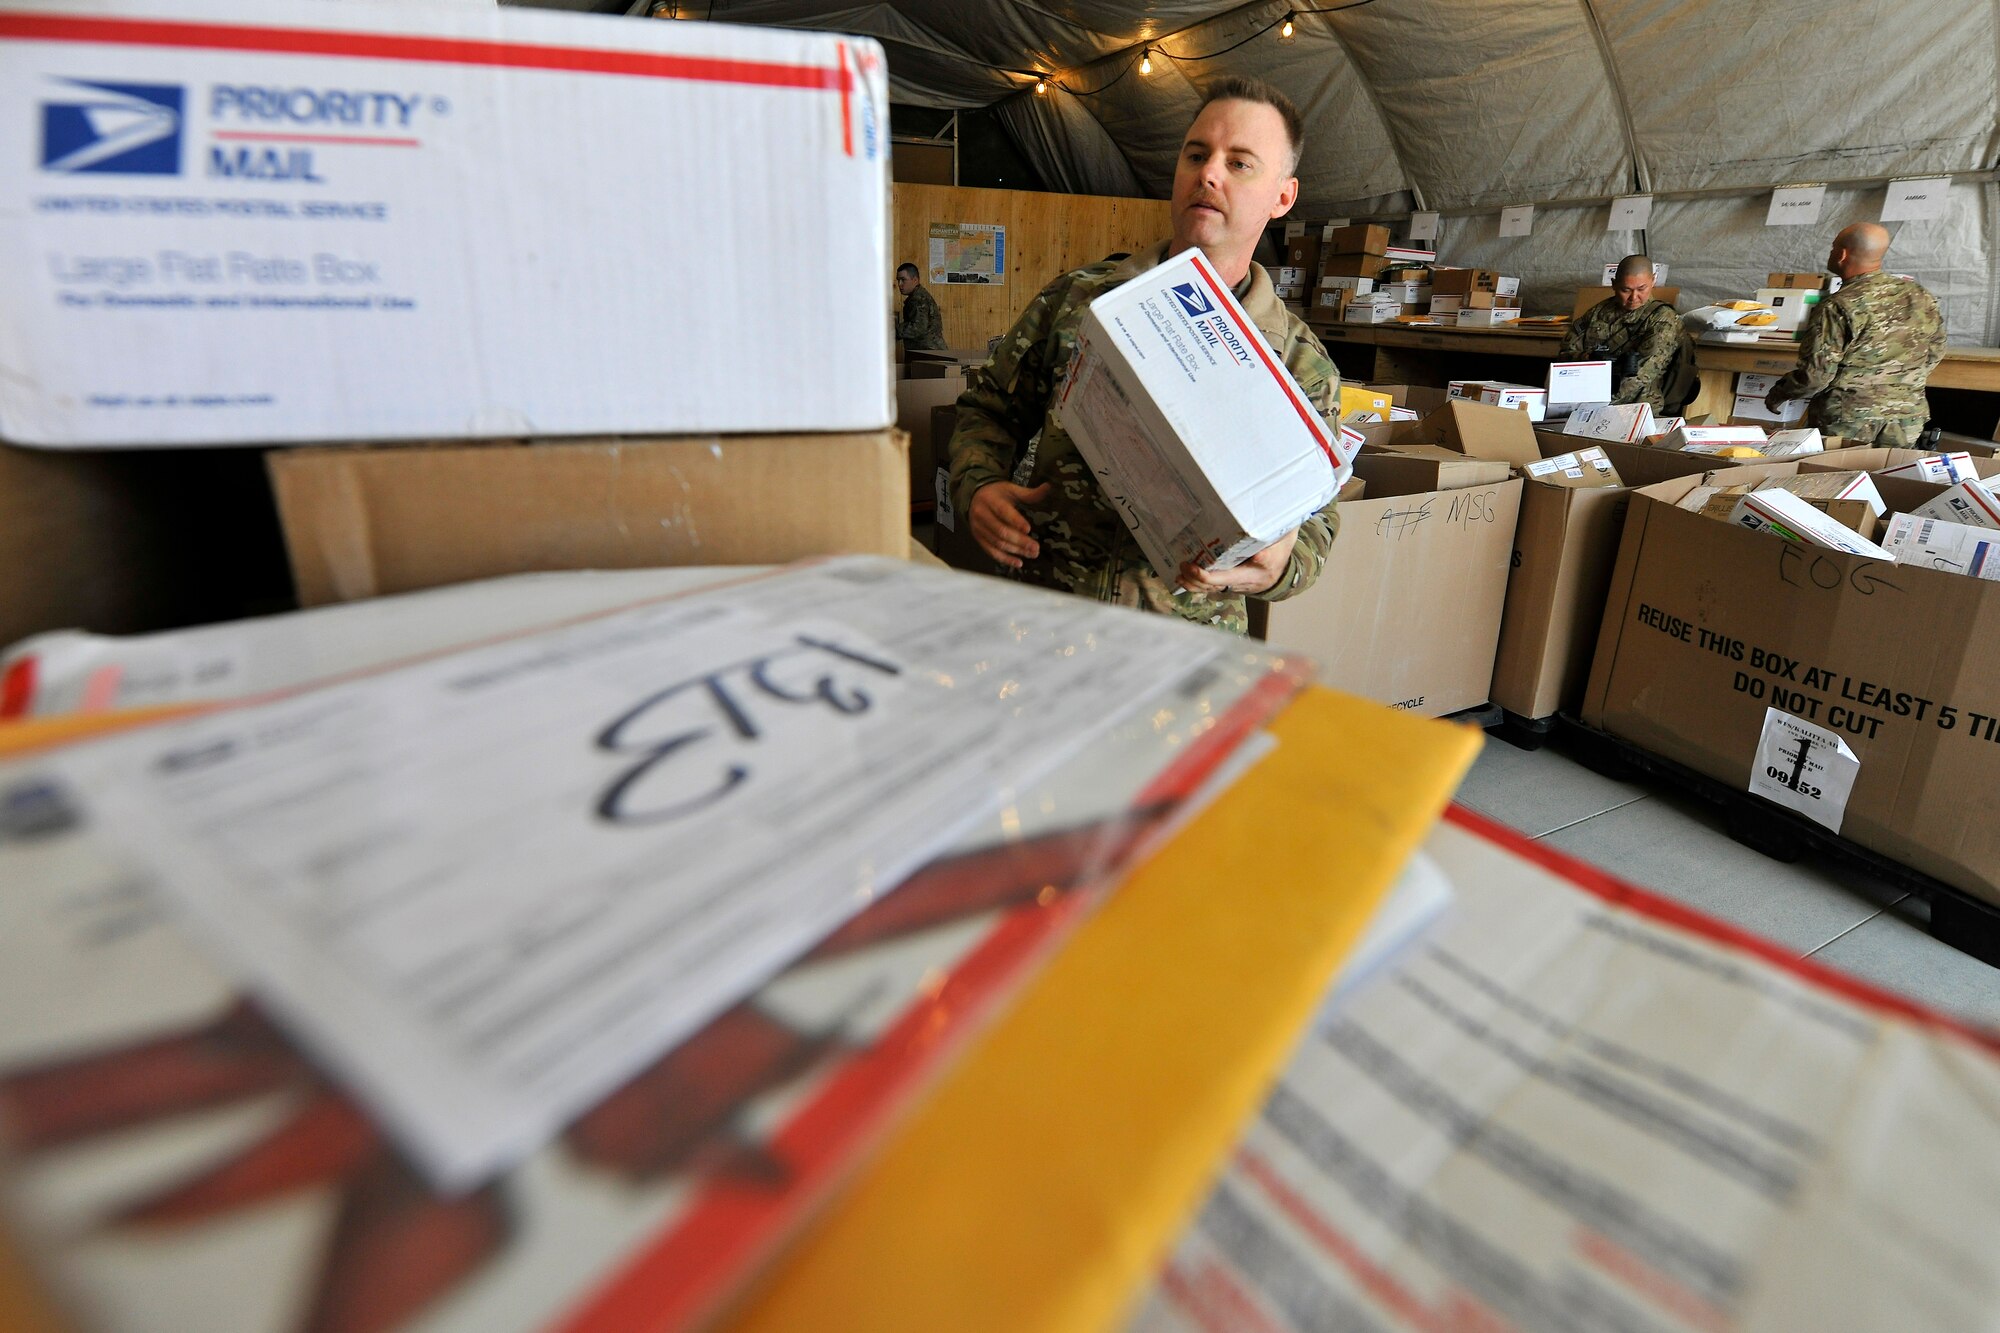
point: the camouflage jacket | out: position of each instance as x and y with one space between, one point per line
1866 352
922 325
1005 433
1648 336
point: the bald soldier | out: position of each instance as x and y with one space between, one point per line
1868 349
1016 476
1641 337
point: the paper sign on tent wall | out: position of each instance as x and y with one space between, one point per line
1517 221
1795 206
1423 226
1916 200
1332 225
1632 212
974 252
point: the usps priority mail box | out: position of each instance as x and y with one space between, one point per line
1199 436
271 221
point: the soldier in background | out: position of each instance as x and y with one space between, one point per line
921 326
1649 351
1868 349
1016 476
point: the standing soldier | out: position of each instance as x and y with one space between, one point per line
1868 349
1016 476
1649 352
922 325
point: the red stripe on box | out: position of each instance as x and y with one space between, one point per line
1256 340
17 688
429 50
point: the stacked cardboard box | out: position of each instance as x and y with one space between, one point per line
636 427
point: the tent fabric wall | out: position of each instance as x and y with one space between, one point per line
1477 104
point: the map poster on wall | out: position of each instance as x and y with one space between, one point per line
968 252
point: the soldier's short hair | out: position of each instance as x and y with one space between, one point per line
1236 88
1633 266
910 269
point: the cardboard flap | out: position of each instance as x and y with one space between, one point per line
1424 469
1479 430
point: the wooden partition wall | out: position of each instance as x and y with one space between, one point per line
1047 234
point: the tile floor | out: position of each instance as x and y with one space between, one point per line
1677 847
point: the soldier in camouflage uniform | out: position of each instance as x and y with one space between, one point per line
922 324
1867 350
1016 475
1641 337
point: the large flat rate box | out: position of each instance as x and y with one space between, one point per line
361 522
225 221
1724 650
1199 437
1407 609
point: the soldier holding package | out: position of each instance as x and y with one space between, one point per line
1016 476
1868 350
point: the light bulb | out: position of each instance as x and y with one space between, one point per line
1040 86
1285 29
1146 62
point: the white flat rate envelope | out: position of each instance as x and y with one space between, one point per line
487 888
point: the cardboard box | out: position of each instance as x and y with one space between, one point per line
1506 286
1689 437
1787 516
1353 266
1793 443
1818 484
1749 409
1855 514
1935 543
1288 275
1408 293
363 521
1412 256
282 227
1370 313
1808 281
1689 665
1516 397
1481 430
1354 286
1577 383
1468 318
1302 249
1424 399
1941 468
1407 609
1790 304
1200 437
917 405
1446 305
1967 502
1646 465
1364 238
1491 301
1749 384
1332 299
1903 464
1564 548
1420 468
1621 421
1586 467
130 541
1461 281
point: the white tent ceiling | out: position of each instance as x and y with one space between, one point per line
1467 105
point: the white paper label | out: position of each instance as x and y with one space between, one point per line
945 518
1423 226
1332 225
1916 200
1518 220
1632 212
1806 768
1795 206
488 887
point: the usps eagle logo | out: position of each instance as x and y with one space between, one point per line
1192 298
131 129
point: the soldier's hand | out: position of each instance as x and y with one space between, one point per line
1260 573
1772 402
998 524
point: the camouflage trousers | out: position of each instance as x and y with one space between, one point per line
1897 434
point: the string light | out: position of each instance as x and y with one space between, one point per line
1041 86
1285 29
1146 61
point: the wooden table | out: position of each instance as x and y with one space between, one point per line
1417 353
